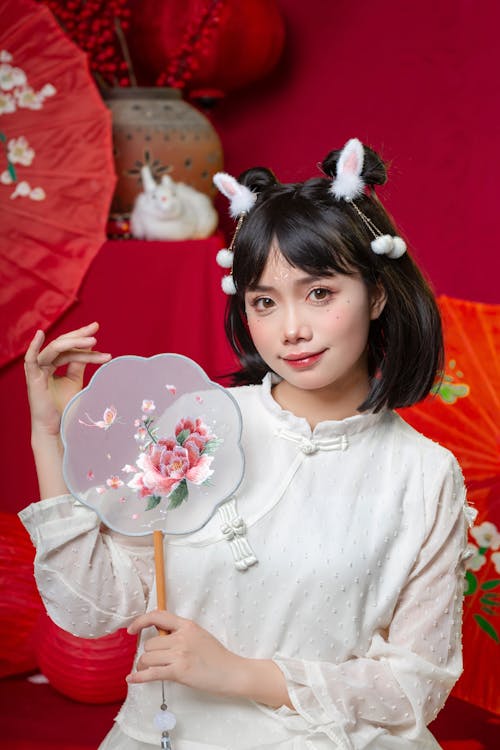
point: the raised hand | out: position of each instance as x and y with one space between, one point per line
50 391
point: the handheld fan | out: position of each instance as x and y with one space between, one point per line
153 446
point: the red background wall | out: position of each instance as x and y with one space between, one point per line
418 82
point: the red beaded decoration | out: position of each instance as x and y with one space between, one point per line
196 39
92 25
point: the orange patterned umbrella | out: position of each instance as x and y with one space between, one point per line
464 415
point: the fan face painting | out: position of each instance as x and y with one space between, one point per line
312 331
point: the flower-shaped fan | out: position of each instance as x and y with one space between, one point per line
153 446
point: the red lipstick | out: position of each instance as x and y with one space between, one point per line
303 359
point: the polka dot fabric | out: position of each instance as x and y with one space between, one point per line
358 533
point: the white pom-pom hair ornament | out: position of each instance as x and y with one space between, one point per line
399 248
224 258
385 244
227 284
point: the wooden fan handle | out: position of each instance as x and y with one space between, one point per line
161 589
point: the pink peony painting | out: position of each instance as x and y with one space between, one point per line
166 466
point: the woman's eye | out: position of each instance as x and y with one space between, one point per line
320 294
262 303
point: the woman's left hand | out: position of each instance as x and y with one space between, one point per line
188 654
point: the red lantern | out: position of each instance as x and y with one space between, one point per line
20 603
85 669
219 45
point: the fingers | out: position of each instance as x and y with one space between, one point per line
158 618
161 663
68 348
152 674
32 352
73 346
35 345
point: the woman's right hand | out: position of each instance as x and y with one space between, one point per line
49 392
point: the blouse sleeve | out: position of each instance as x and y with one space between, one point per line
92 581
402 681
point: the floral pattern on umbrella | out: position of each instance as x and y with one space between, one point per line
463 414
57 172
15 93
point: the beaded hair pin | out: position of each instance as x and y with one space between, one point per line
241 200
347 185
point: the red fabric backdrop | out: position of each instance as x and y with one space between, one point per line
417 81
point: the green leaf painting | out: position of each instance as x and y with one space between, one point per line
153 501
471 583
487 627
178 495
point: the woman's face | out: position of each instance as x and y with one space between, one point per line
311 330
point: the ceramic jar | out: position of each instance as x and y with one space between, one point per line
155 126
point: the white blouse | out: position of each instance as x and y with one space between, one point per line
340 557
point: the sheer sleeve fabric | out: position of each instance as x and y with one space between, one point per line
398 686
92 581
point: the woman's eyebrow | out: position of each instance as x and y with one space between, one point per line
313 278
302 281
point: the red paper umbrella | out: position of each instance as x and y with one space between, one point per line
464 416
56 171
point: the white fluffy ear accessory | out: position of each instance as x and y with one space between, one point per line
348 183
241 199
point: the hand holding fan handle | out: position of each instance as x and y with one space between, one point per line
162 605
160 573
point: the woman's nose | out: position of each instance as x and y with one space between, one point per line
295 327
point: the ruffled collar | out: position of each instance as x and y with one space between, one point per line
347 427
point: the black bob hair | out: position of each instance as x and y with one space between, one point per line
322 235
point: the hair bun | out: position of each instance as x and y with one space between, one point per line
257 179
374 171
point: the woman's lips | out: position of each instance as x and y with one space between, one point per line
305 359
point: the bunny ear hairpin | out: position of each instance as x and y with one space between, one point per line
241 200
349 185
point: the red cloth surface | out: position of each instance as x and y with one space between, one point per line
36 717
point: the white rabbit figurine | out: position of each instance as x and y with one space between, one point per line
171 211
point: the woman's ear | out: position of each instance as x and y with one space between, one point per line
378 300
